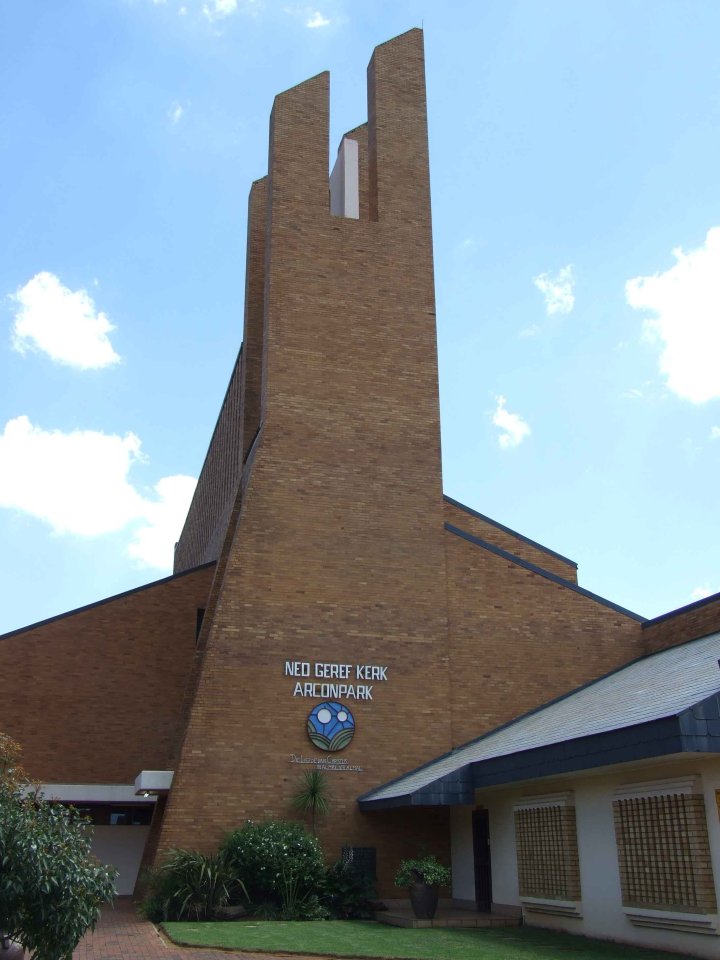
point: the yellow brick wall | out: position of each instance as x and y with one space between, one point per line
97 695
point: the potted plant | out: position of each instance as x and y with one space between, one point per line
423 876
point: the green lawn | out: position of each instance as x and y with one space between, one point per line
358 938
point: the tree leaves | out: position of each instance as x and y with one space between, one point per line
51 887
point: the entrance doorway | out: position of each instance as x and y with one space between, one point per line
481 851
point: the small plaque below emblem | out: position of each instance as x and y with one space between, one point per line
330 726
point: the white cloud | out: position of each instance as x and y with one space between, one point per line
316 20
685 301
152 543
78 484
699 593
62 323
175 113
557 289
715 433
212 10
632 394
513 428
218 9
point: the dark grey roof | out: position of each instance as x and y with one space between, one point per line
663 685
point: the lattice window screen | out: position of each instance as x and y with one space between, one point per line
547 854
364 859
663 852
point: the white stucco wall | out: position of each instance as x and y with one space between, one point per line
602 912
461 854
123 848
599 870
711 784
502 851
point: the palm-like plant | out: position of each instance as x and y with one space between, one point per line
191 885
313 796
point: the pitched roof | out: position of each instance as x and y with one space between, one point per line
655 688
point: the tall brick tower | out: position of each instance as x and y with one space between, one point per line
321 493
355 620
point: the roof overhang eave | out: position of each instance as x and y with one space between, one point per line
694 730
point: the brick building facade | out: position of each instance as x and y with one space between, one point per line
319 560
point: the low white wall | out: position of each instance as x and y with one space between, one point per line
602 912
122 847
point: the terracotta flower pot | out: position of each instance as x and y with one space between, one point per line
424 900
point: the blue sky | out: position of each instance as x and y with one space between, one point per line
576 212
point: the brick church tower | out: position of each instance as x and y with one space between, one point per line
330 608
321 494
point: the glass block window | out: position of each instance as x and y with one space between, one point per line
547 853
663 852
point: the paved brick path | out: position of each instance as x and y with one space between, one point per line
122 935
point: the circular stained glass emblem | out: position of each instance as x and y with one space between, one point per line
330 726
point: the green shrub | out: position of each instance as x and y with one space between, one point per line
422 870
51 887
309 908
348 891
190 886
280 863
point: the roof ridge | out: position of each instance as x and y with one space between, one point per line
506 529
541 571
99 603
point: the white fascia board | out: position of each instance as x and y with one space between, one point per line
677 786
153 781
564 799
90 792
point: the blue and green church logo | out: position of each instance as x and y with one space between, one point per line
330 726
